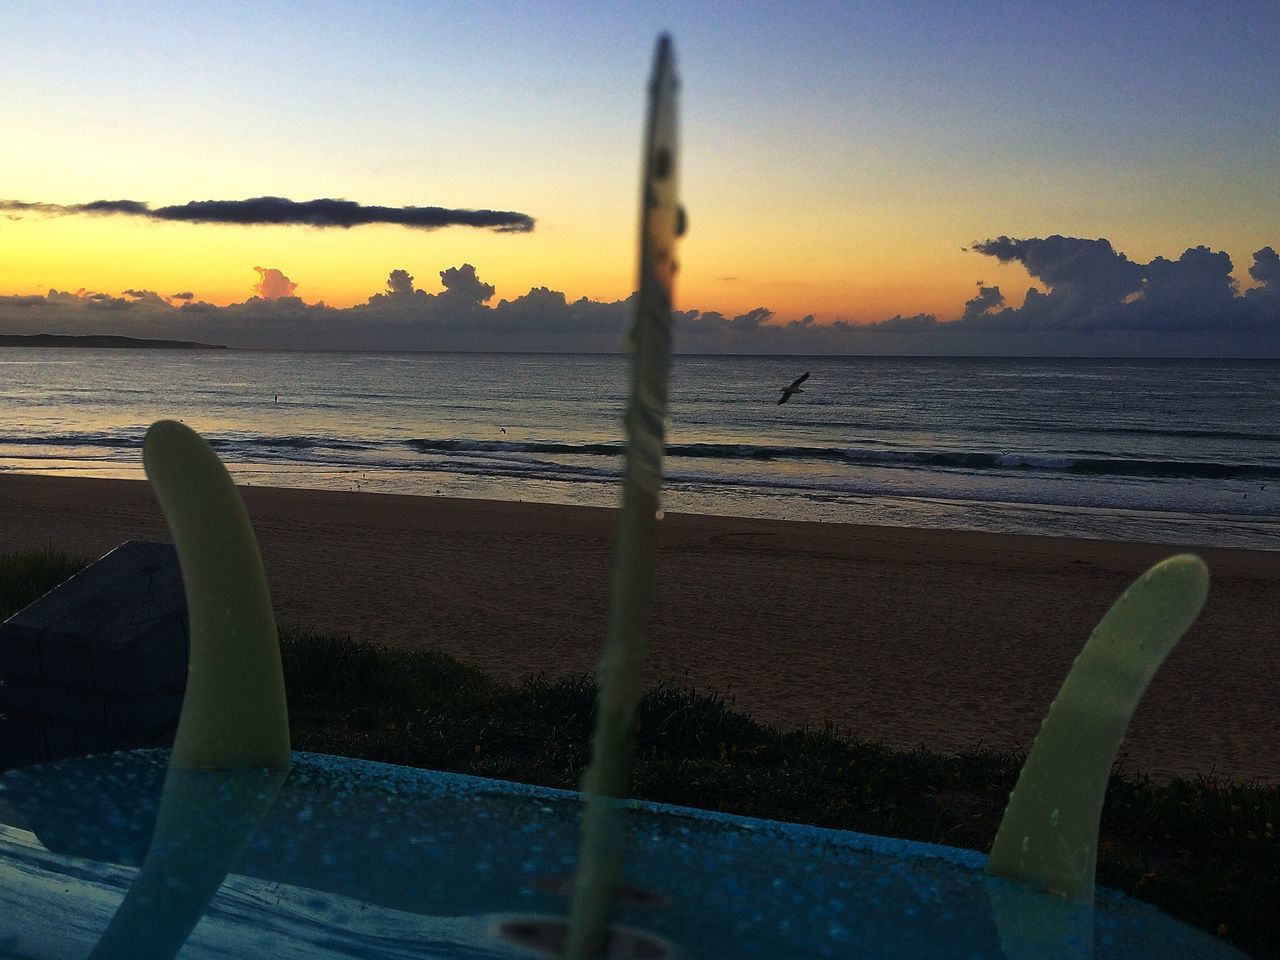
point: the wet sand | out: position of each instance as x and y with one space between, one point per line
909 636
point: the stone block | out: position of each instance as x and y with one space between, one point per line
99 662
153 658
156 712
21 742
37 700
19 652
65 659
76 740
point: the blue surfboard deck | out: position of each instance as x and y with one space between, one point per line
360 859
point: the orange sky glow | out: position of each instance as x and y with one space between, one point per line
835 165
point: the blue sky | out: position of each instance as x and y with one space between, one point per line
839 158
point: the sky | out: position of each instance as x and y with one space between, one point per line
859 177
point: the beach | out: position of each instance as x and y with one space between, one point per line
945 639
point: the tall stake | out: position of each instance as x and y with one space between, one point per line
608 778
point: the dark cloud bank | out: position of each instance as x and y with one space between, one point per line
1099 303
259 211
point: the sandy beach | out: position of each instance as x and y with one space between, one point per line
908 636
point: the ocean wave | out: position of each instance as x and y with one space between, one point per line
134 439
112 440
1181 433
463 445
374 451
944 459
290 443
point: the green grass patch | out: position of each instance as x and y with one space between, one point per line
1204 850
27 576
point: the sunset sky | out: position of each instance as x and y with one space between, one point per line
838 158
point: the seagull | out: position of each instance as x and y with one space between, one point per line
794 388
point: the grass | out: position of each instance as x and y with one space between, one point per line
25 577
1204 850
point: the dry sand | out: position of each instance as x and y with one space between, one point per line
912 637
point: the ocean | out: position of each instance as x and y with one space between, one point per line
1173 451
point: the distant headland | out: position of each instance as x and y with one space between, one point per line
100 341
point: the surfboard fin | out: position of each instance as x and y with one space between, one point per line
231 750
608 777
1048 837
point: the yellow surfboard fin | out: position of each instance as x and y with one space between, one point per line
231 750
1049 835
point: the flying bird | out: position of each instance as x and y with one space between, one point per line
794 388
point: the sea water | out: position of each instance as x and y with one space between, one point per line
1172 451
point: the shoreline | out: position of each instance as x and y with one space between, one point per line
1187 531
903 635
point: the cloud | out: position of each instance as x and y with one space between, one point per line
1085 276
258 211
1092 287
23 302
399 284
1090 266
150 296
464 286
988 299
916 323
1187 291
96 207
1096 302
272 284
184 295
752 319
1266 270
